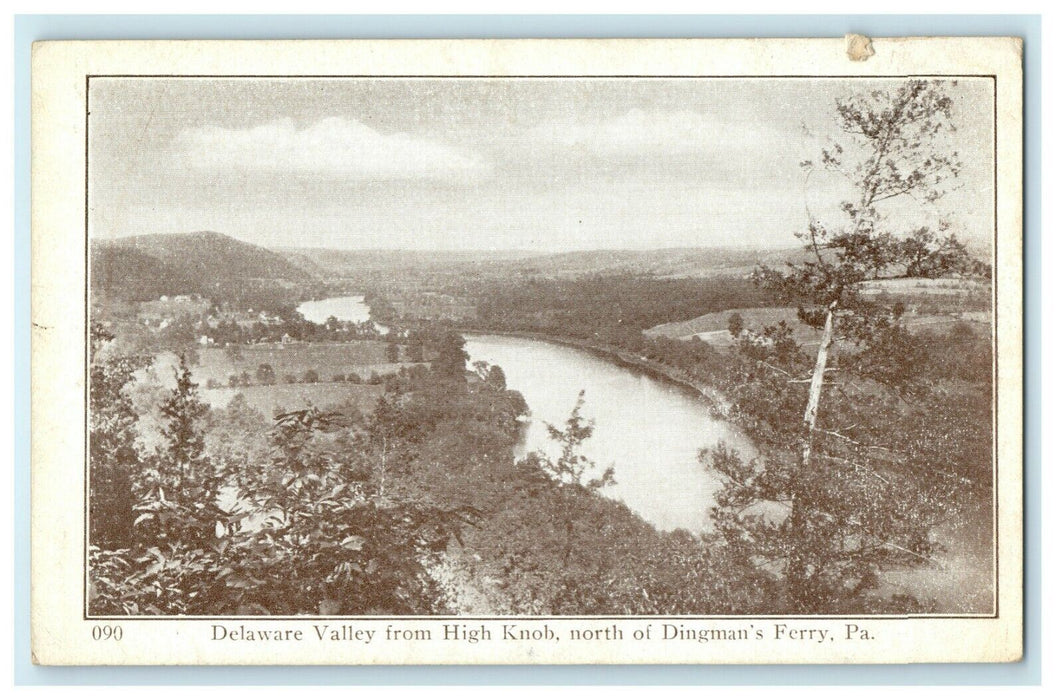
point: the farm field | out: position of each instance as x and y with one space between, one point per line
917 286
327 359
289 362
269 400
712 328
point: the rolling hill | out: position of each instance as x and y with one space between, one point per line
663 262
355 263
206 263
666 262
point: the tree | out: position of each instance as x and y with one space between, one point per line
735 324
571 469
895 137
265 374
896 142
311 376
177 498
233 353
114 459
183 412
450 355
491 375
850 504
391 352
311 533
233 437
496 378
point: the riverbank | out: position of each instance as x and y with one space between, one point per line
960 581
718 405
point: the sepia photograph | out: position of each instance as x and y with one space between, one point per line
492 350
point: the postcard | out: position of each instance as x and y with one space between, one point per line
527 351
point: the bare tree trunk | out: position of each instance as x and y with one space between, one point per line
816 387
801 568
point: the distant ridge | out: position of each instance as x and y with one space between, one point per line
347 262
665 262
215 265
147 266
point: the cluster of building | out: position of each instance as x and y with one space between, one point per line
165 311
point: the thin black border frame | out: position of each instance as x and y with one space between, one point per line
380 76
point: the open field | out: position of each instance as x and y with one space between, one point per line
712 328
215 363
269 400
918 286
327 359
295 359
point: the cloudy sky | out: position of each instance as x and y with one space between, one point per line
548 164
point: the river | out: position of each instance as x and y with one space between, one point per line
649 430
352 308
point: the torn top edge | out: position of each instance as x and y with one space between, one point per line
858 47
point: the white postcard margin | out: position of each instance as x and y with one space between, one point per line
61 635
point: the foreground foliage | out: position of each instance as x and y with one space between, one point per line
853 495
309 530
416 508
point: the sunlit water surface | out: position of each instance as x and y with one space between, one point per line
649 430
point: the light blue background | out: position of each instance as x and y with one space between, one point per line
30 28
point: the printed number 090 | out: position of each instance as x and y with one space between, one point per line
105 632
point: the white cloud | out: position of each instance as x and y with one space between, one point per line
332 146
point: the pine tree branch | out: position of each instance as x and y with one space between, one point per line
854 442
770 366
861 467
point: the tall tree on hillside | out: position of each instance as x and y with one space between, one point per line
571 470
184 413
177 498
849 505
450 355
893 150
114 460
